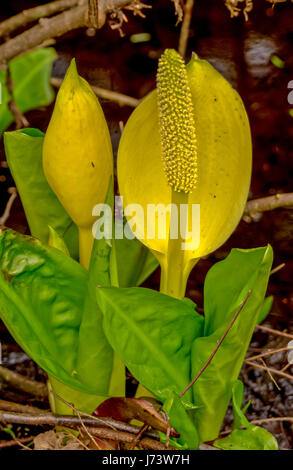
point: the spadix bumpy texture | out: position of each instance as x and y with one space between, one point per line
77 154
177 126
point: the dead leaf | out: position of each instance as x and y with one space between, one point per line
50 440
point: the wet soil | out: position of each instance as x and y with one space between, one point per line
244 52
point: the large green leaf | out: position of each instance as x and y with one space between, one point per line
226 286
41 297
245 436
42 208
97 366
30 74
153 334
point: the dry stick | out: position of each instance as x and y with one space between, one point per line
270 369
274 332
18 116
217 347
184 33
272 420
124 432
70 422
270 352
6 213
270 374
23 383
80 419
34 14
106 94
268 203
48 28
16 442
277 268
138 437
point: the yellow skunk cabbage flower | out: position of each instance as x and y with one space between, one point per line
188 143
77 155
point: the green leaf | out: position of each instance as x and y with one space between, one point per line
57 242
152 333
42 208
250 438
97 365
30 74
42 294
253 438
135 263
41 297
227 283
240 419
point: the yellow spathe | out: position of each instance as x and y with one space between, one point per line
77 154
224 157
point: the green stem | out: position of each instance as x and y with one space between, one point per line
175 268
86 241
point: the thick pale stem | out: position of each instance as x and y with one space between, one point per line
86 241
175 268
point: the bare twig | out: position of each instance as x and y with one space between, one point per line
18 116
123 432
270 369
106 94
270 374
268 203
19 408
277 268
270 353
49 28
217 347
25 384
6 214
16 442
93 14
274 332
34 14
184 33
71 422
272 420
138 437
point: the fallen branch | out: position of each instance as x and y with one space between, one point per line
34 14
268 203
121 432
22 383
19 408
119 98
217 347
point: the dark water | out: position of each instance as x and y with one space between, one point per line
244 52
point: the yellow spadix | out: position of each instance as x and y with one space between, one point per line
77 155
188 142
